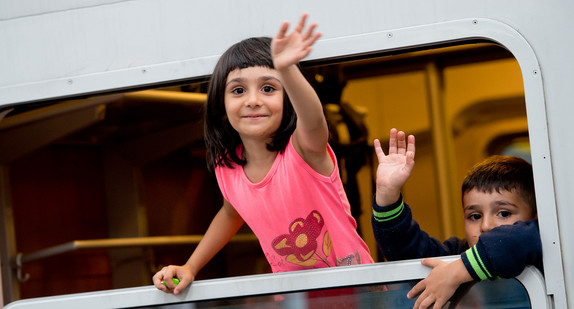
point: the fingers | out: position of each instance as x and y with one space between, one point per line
183 283
430 262
438 304
301 24
426 301
282 30
398 143
310 37
393 141
309 31
411 149
157 282
162 280
418 303
434 291
416 290
378 149
158 278
402 144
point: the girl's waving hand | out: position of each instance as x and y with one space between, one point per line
289 49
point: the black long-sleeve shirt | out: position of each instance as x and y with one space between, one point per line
502 252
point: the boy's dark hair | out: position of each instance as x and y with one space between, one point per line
221 139
502 173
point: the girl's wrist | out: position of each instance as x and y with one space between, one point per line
285 69
191 268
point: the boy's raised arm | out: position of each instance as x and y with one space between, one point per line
395 168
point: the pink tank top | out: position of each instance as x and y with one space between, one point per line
301 218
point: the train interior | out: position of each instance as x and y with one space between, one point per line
99 192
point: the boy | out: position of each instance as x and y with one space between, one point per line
502 235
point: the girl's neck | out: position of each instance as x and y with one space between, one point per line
259 161
257 152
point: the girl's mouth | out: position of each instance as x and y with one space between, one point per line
255 116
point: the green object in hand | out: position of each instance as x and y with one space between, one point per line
174 280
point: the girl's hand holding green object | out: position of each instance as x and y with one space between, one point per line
174 280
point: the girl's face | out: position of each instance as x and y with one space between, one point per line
254 102
484 211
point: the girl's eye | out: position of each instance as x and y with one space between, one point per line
238 90
268 89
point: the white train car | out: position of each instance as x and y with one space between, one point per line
75 51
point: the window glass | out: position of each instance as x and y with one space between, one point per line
502 293
518 148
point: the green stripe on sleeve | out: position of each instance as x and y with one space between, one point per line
480 261
475 265
382 216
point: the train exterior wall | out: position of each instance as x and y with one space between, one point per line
74 48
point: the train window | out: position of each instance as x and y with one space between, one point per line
382 285
511 145
506 293
520 149
434 93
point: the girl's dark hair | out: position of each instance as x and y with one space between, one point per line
502 173
221 139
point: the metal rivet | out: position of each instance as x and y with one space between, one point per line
389 35
535 72
475 22
144 71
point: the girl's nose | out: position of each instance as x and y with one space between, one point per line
252 99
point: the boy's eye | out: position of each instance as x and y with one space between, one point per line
504 213
475 217
238 90
267 89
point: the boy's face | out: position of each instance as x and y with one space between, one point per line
484 211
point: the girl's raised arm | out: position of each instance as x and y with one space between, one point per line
312 134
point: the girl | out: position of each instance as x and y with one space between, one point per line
266 138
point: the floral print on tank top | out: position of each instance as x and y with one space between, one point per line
300 245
